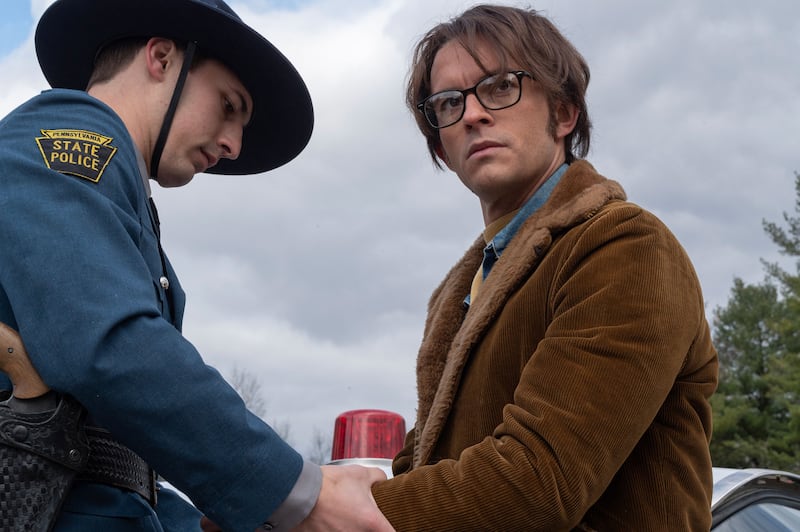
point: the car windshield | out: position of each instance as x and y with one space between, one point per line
762 516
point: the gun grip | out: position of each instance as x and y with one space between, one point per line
15 363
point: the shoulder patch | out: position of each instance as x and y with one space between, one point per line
76 152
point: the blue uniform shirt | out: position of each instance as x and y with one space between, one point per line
79 279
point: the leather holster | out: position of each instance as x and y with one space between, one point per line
40 455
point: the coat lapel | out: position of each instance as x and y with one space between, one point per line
451 332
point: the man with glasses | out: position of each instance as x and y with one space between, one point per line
566 366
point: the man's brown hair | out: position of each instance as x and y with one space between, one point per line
519 36
115 56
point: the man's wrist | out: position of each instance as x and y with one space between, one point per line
300 501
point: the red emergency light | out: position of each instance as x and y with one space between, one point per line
368 434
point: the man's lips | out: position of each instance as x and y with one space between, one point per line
210 159
481 146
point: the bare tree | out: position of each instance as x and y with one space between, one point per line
249 389
320 450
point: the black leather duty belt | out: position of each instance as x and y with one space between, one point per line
112 463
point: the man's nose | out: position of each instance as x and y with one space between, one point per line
231 142
474 111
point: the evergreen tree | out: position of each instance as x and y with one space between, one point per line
757 335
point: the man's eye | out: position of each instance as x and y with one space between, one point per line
501 86
448 103
454 102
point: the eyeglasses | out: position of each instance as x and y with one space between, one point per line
494 92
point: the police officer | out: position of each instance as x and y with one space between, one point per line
161 90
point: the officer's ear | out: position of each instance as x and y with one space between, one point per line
161 55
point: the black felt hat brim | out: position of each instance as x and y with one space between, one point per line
71 32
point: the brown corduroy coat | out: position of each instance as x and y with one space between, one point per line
574 391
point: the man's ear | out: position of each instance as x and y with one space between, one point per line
160 54
566 118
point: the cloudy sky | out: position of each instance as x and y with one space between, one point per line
314 277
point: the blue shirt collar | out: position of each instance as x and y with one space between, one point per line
498 244
501 240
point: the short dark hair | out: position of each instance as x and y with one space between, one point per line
523 36
115 56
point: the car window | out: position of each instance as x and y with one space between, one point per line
762 516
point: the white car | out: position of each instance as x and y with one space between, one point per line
755 500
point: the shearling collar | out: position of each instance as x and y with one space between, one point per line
451 331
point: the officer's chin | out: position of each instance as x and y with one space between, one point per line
174 180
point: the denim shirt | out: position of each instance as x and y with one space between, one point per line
494 249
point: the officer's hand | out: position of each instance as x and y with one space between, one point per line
345 502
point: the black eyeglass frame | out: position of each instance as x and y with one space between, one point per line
473 90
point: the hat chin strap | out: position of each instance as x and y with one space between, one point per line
173 104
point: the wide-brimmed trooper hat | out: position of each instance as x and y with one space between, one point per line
71 32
